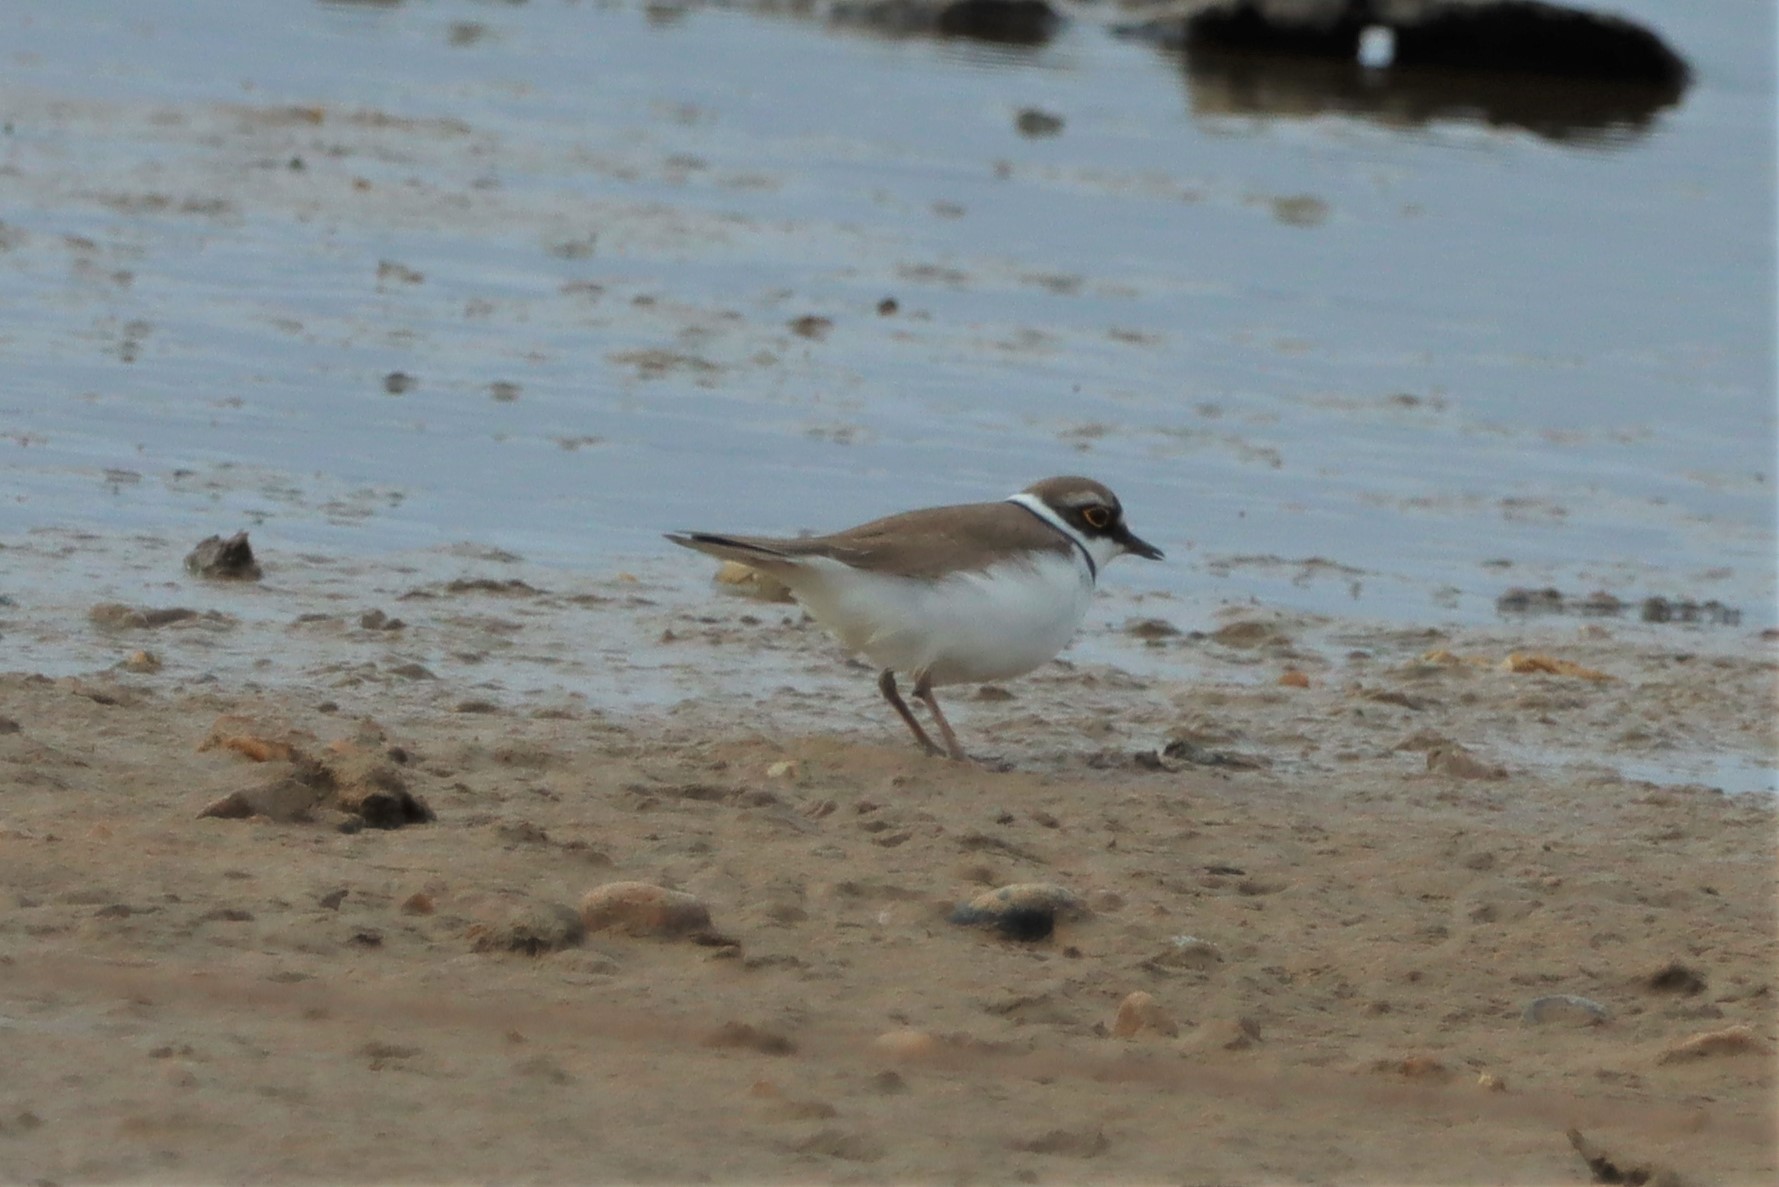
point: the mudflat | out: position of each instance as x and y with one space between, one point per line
1339 912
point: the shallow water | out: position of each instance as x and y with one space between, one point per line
1331 362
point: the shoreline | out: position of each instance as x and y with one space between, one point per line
1371 920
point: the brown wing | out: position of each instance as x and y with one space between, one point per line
938 540
927 543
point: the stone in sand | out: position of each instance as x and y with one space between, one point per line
747 1037
643 909
1731 1040
906 1043
366 784
1139 1012
735 578
1676 977
1022 911
1608 1168
1456 761
531 929
1188 952
285 798
1224 1034
1565 1008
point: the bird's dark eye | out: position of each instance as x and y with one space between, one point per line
1098 518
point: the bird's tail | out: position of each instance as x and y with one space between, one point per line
757 554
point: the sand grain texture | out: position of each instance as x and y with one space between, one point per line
1323 977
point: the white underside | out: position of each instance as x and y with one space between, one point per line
965 628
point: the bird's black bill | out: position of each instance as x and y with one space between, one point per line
1136 544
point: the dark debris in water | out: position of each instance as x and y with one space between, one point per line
231 559
1600 604
1507 36
1558 72
1001 22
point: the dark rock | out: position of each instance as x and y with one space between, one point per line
1083 1143
1005 22
1519 36
1185 751
1609 1169
1675 977
1532 37
1032 122
1011 22
117 616
750 1038
1530 601
230 559
351 781
1024 911
1323 27
1553 71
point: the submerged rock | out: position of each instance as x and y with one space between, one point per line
1516 36
229 560
1005 22
1553 71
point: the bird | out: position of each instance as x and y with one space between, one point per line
963 594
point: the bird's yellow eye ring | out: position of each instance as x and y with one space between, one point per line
1097 518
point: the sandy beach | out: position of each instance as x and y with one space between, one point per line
1373 947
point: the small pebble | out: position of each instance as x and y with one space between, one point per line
642 909
531 929
1225 1034
142 661
735 578
1675 977
1565 1008
1458 762
1732 1040
283 799
1189 952
1023 911
750 1038
907 1043
889 1083
1139 1012
1421 1067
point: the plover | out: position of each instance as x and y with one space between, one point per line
951 595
